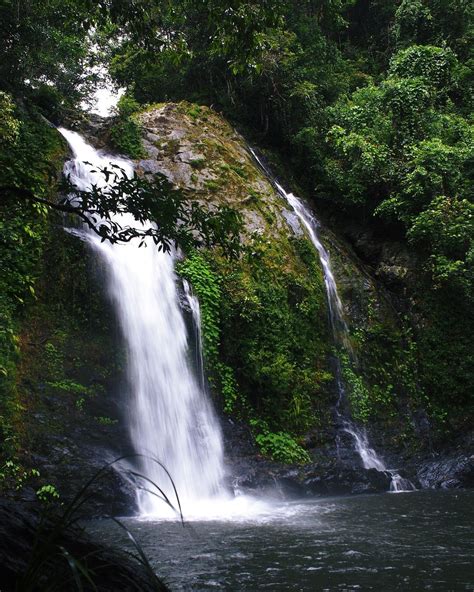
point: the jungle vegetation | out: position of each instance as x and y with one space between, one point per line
369 103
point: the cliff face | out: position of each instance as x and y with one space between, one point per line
269 345
265 325
271 356
267 342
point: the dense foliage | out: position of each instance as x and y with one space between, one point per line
265 340
370 102
31 154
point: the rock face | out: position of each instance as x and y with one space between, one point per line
448 473
270 306
327 475
198 151
201 153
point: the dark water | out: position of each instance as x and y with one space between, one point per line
409 541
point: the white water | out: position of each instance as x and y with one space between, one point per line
371 460
170 417
368 456
195 308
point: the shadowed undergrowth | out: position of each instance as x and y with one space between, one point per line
48 549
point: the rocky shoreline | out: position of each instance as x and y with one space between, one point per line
338 470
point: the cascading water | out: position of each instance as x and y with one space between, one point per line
371 460
170 417
195 308
369 457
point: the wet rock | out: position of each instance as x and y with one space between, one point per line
290 485
336 471
450 473
339 480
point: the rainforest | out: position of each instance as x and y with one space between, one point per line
236 291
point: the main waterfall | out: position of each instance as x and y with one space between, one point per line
170 417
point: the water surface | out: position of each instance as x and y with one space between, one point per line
407 541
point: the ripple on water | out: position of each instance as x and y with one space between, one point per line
334 545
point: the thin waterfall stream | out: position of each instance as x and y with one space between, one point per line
195 308
170 415
370 459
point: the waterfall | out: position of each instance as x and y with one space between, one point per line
340 329
195 308
170 417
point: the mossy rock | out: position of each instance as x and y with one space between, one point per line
270 356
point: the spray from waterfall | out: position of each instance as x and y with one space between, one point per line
169 415
368 456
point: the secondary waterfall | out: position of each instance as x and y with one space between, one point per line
369 457
170 417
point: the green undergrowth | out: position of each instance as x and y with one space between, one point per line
385 376
279 446
56 344
126 131
411 366
382 376
265 338
206 284
31 158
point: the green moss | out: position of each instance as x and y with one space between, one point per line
32 161
240 171
198 163
105 421
194 111
279 446
265 332
213 185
